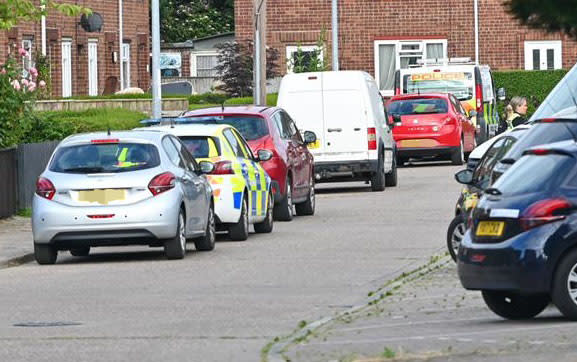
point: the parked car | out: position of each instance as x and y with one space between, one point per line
124 188
433 124
480 180
346 112
291 168
240 185
544 131
520 250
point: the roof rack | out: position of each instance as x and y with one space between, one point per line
442 61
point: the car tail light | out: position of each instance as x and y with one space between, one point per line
543 212
449 120
223 168
45 188
161 183
372 138
106 140
479 96
538 152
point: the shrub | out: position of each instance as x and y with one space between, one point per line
271 100
207 98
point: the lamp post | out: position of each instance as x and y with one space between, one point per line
476 12
156 102
335 29
259 63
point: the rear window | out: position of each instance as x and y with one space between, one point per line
105 158
418 106
202 147
521 177
540 134
251 128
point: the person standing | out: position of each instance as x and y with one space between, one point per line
515 114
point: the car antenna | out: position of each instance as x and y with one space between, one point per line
172 123
108 131
222 105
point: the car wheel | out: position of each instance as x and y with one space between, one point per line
455 234
391 177
511 305
266 225
175 248
458 155
45 254
378 178
206 242
308 207
565 286
283 211
84 251
239 231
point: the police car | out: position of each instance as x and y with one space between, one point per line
241 187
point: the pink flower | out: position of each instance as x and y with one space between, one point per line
3 71
33 71
32 86
16 84
24 82
42 84
22 52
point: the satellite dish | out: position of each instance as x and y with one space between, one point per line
91 23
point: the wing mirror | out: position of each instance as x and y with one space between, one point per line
206 167
263 155
396 120
464 177
501 94
309 137
472 114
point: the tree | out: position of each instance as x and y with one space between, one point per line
181 20
13 12
550 15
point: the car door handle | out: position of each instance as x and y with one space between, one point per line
335 129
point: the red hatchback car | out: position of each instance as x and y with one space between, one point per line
432 124
291 168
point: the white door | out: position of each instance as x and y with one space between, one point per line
126 65
542 55
66 68
92 68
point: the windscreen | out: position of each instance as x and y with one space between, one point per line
251 128
522 178
105 158
562 101
202 146
418 106
542 133
461 84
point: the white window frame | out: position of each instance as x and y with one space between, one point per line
193 62
125 57
544 45
93 77
398 54
291 49
27 61
66 70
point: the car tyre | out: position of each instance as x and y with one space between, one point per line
239 231
515 306
206 242
175 248
307 208
283 211
45 254
267 224
458 155
391 177
565 280
378 178
455 234
83 251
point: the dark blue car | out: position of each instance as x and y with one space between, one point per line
520 249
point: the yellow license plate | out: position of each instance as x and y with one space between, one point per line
102 196
422 143
316 144
490 228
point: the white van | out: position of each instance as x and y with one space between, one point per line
354 134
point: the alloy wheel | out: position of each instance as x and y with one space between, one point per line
572 283
457 237
182 232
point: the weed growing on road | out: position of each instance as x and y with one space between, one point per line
388 353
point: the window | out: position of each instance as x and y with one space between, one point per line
92 67
202 146
242 144
186 158
236 147
172 152
27 62
418 106
66 68
277 118
126 65
304 57
543 55
391 55
204 64
170 64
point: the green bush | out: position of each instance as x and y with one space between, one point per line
207 98
49 126
534 85
271 100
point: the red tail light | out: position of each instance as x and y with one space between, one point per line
161 183
223 168
479 96
537 152
543 212
372 138
106 140
45 188
101 216
397 91
449 120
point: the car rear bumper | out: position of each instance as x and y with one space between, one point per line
425 152
337 171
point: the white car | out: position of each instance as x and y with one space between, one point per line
480 150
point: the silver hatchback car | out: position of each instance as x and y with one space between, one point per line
124 188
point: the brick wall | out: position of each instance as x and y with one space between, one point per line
59 27
361 22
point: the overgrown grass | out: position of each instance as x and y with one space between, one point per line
271 100
24 212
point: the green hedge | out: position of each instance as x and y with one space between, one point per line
534 85
271 100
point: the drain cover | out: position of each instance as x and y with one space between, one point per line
47 324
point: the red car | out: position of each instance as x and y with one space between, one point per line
432 124
291 167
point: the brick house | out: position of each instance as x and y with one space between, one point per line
380 36
89 62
